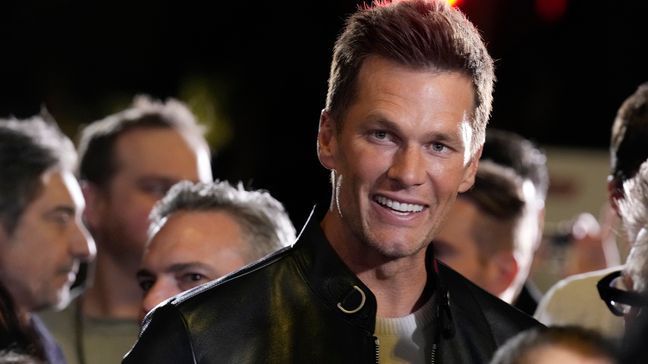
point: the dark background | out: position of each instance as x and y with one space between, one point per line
256 72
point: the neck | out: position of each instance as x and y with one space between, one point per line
397 283
399 286
114 292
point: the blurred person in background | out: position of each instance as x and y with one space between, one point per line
625 291
42 238
128 161
574 300
483 232
557 344
511 150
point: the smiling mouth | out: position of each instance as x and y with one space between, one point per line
402 208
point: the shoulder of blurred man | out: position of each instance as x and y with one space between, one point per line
104 340
575 301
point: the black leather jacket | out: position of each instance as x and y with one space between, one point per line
303 305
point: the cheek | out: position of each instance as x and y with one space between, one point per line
365 172
132 213
51 250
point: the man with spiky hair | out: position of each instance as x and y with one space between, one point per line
401 133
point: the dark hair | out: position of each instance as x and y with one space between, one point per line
520 348
497 192
17 338
418 34
28 148
509 149
629 142
97 164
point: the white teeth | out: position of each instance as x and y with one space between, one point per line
399 206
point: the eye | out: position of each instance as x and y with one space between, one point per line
438 147
190 280
146 284
379 134
155 188
62 217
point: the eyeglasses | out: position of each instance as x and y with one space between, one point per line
619 298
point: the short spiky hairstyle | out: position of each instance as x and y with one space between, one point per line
28 148
419 34
261 217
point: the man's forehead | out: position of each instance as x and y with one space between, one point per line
59 187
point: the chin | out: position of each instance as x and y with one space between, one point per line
397 250
62 299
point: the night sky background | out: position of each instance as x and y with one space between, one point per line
256 72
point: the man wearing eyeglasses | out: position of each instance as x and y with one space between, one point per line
573 300
625 292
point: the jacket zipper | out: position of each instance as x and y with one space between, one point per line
433 354
376 350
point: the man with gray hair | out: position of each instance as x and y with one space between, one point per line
42 238
202 231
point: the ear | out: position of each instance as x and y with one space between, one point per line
615 193
470 171
504 268
95 204
327 141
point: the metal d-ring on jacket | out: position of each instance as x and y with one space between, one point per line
303 305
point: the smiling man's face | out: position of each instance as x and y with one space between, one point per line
400 156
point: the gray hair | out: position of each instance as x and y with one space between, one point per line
634 214
633 209
262 218
636 265
28 148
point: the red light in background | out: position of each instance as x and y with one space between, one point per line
551 10
453 2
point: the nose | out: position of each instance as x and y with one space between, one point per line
408 167
160 291
82 245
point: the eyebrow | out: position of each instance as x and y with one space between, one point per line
174 268
178 267
157 178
